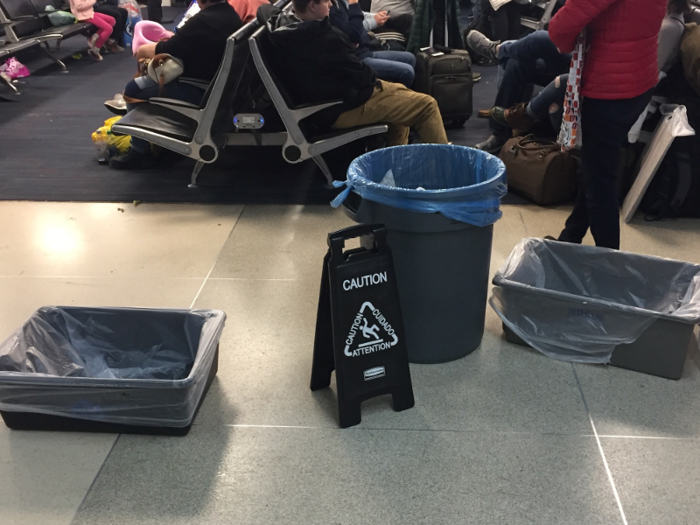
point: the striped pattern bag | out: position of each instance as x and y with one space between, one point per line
570 124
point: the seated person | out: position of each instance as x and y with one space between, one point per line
317 63
533 59
247 9
550 101
121 16
394 66
391 15
200 44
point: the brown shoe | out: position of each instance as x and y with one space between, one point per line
515 117
484 113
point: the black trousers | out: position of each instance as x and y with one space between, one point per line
155 10
505 23
120 16
604 126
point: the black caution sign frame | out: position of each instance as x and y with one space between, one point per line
359 326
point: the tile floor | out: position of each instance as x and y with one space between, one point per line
504 435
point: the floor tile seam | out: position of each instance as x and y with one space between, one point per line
252 279
650 438
160 276
469 431
97 475
397 429
218 256
608 471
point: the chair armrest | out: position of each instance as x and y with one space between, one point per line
22 18
304 110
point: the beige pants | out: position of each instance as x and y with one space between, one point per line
400 108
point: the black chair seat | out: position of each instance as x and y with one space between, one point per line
161 120
64 31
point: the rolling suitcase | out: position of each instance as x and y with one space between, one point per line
446 75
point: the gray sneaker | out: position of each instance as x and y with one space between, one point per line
491 145
482 45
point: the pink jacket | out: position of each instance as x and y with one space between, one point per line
82 9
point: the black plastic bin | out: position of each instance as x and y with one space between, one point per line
439 220
125 370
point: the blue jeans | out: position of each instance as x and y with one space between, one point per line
540 105
604 124
393 66
533 59
144 88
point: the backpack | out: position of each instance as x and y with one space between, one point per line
675 189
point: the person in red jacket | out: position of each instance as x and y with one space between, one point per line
620 71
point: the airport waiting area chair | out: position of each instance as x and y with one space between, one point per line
301 144
537 24
26 23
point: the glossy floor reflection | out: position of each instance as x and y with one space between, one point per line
504 435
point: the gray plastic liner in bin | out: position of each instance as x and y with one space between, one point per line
130 366
440 237
579 303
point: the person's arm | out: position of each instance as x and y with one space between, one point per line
352 26
571 19
146 51
670 38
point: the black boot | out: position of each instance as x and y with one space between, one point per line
133 160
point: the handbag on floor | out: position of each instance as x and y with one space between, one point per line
538 170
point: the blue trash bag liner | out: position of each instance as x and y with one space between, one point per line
463 184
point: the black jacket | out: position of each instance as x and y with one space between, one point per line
350 20
316 63
201 42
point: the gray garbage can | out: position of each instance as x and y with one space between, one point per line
440 238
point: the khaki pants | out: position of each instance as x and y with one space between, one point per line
400 108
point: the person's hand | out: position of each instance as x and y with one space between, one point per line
146 51
381 18
352 1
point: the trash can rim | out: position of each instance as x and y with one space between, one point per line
499 175
502 282
36 379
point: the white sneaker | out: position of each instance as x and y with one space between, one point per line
93 50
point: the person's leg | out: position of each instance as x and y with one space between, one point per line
514 89
553 93
155 10
499 24
513 16
120 16
604 124
402 109
393 66
104 24
533 47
